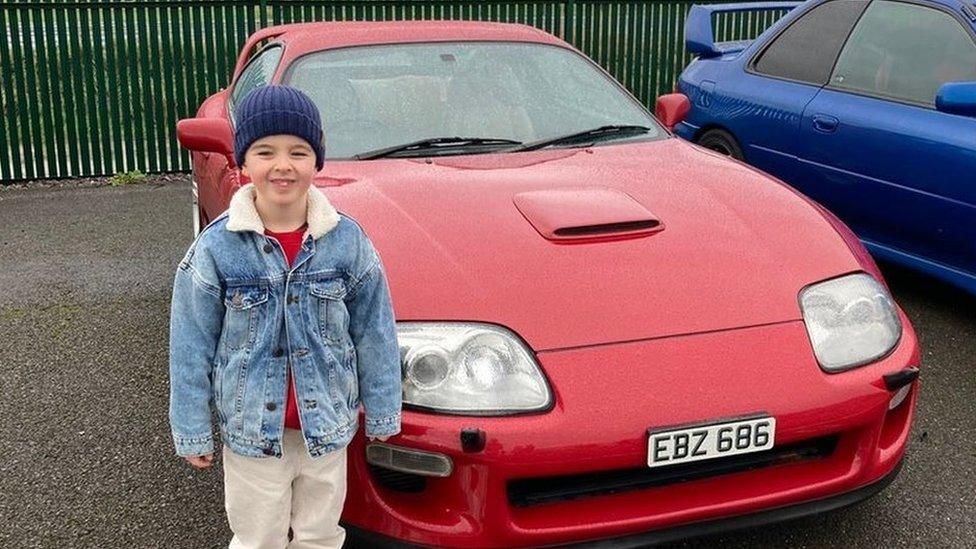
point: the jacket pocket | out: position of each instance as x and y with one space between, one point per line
243 307
330 309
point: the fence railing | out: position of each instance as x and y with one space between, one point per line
95 88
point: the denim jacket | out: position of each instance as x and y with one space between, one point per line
240 316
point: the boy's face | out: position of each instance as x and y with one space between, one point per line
281 167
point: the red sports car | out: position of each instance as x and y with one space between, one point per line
607 333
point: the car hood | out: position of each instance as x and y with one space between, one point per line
706 243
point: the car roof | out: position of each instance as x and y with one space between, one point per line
306 37
966 7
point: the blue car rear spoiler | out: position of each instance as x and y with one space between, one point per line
700 36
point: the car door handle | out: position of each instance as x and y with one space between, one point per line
825 124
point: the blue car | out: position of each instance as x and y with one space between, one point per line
866 106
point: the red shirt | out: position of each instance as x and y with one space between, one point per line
291 241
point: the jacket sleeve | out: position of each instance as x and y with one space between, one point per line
372 325
196 320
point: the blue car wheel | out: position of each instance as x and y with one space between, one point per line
721 141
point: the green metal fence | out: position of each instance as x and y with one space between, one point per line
95 88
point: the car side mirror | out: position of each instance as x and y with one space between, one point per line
671 109
207 135
957 98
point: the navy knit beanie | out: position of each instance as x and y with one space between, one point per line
272 110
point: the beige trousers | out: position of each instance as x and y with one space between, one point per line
264 496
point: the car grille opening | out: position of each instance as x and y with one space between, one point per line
535 491
400 482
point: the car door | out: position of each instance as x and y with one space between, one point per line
763 107
895 169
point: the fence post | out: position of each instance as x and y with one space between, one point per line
568 21
264 13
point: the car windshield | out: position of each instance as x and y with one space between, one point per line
372 97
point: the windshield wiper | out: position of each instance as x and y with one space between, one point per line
596 134
436 143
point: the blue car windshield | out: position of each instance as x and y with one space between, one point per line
372 97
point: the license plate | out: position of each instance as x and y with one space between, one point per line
671 446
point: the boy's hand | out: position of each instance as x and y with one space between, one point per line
381 439
200 462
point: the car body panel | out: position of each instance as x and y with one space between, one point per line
897 173
697 274
927 203
662 382
775 114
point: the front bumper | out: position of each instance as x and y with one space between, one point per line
706 528
607 397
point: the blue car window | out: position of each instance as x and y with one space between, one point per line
807 49
905 52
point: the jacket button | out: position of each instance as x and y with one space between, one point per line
268 248
278 352
292 299
271 406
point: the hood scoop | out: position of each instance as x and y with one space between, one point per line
573 214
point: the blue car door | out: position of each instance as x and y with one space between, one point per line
899 172
762 107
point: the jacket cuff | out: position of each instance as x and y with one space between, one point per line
382 426
193 445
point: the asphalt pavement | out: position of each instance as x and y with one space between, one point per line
85 282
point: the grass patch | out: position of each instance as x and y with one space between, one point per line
127 178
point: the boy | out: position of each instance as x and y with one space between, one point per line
281 316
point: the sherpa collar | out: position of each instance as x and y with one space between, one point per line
242 215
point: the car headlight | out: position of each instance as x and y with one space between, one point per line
851 321
469 368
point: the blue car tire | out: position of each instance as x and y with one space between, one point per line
721 141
